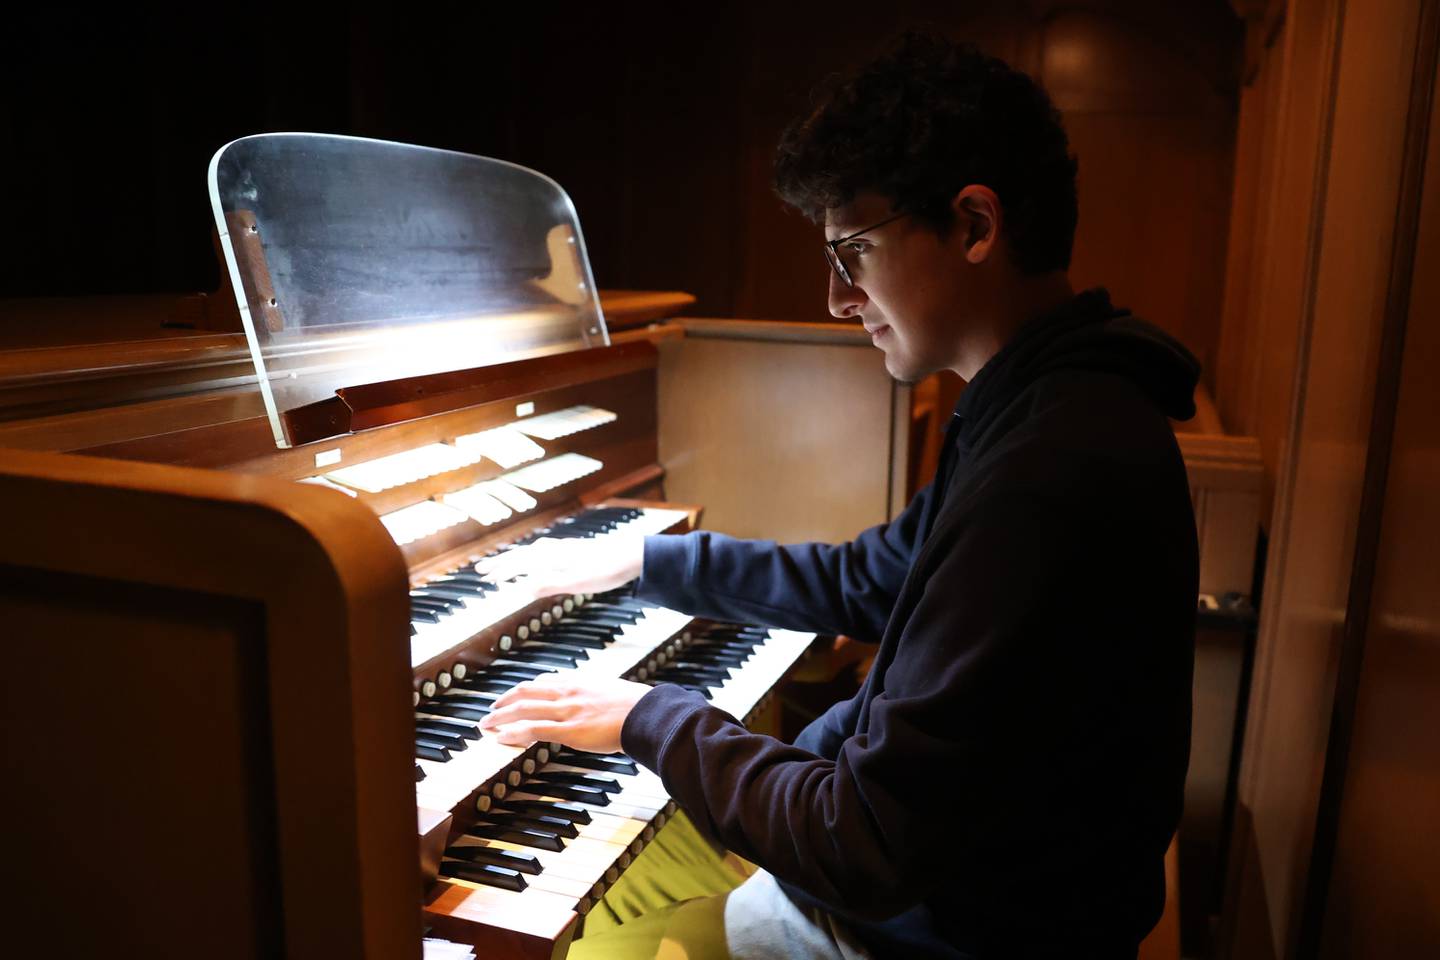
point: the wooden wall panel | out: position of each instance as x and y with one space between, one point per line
1154 133
1321 477
1248 217
1384 895
788 439
1275 215
1148 97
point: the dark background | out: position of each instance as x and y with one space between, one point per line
660 120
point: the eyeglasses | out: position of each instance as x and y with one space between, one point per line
832 252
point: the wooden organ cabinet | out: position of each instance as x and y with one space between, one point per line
236 569
220 739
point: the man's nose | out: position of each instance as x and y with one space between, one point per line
845 301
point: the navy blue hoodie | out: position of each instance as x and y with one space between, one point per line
1007 780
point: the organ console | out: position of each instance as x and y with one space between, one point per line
224 574
225 556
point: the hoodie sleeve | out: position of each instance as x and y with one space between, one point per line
867 832
847 588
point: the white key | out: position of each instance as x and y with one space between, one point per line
758 675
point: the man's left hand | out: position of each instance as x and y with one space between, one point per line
584 714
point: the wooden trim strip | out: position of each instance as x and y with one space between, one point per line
1377 471
845 334
624 309
371 405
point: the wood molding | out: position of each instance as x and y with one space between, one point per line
788 331
625 309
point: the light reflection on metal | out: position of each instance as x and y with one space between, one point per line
359 261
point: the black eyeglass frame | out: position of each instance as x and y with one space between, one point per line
832 251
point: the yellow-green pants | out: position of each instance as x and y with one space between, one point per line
670 903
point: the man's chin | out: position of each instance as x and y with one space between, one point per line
901 373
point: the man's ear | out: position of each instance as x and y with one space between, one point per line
977 209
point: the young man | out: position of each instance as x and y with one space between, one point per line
1006 782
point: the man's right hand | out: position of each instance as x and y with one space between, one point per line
548 567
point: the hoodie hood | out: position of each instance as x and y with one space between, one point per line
1087 333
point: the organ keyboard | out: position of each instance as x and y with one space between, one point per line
327 515
539 833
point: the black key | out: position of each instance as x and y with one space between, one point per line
573 638
579 638
426 751
560 649
591 780
515 674
549 808
585 628
599 610
578 623
612 607
477 699
501 668
486 873
471 578
699 662
703 678
536 656
539 839
716 669
456 595
510 664
430 603
452 743
512 859
453 710
487 684
433 602
740 649
712 645
452 727
612 763
424 616
711 657
745 636
606 618
419 774
464 588
556 825
579 794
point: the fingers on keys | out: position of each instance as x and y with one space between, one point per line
524 732
529 690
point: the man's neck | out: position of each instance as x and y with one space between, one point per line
1011 309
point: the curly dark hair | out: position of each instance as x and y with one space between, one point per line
921 122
